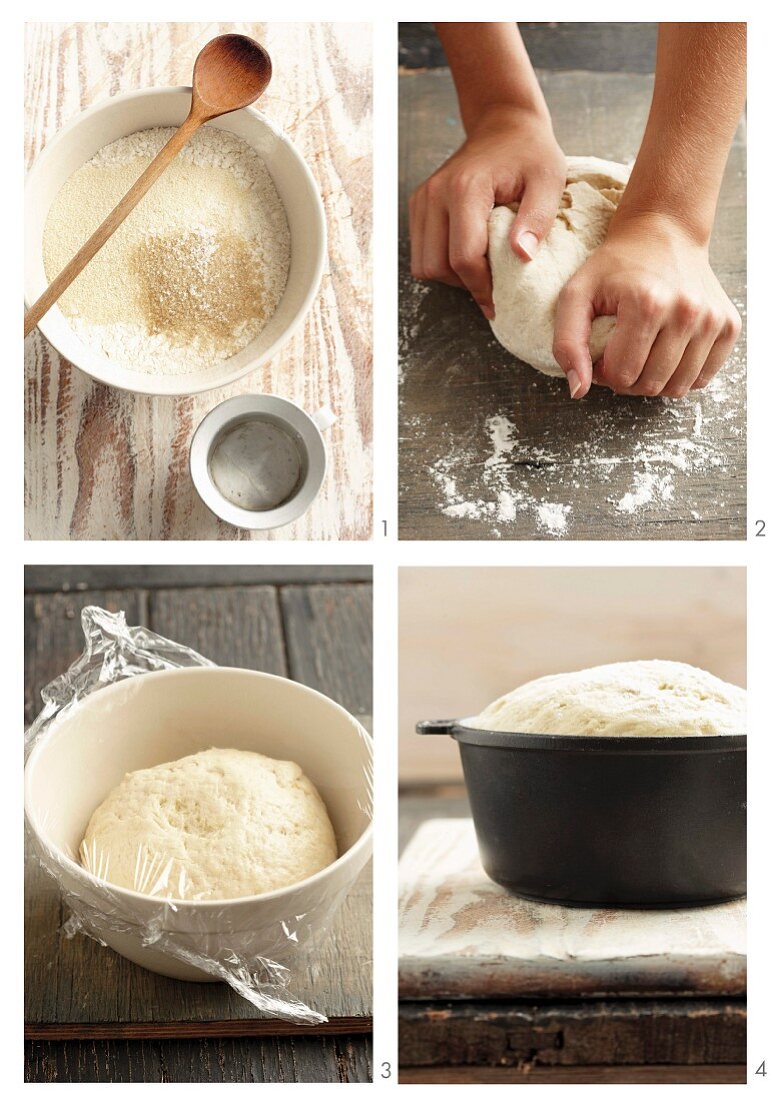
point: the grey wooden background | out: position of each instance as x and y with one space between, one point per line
90 1014
601 47
601 468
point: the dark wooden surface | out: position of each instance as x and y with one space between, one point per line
63 578
620 1040
574 1075
669 1032
326 1059
75 988
601 468
317 633
599 47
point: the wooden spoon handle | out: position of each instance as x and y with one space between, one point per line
87 252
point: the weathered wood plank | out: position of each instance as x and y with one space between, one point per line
53 638
300 1059
601 468
432 1032
194 1029
329 641
104 464
575 1075
618 1033
463 936
78 984
65 578
238 626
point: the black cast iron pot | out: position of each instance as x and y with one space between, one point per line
607 821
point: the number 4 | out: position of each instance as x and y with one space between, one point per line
762 1070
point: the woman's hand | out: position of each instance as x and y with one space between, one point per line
675 325
510 155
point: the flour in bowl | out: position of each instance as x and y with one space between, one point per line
198 268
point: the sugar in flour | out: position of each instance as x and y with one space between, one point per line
198 268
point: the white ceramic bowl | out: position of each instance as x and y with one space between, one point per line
162 716
124 114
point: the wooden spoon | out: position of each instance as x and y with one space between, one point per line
231 72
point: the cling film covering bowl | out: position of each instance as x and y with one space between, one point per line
134 700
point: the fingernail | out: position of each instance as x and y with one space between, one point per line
574 382
488 312
529 243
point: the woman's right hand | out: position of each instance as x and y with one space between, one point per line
511 155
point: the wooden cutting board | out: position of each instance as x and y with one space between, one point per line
463 936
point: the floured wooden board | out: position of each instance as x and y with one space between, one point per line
490 449
463 936
101 464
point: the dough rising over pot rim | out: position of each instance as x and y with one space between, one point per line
625 699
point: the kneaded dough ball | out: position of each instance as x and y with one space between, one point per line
525 295
628 699
220 824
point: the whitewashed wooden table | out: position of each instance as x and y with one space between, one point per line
497 989
464 936
102 464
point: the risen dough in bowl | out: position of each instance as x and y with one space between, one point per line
628 699
525 294
219 824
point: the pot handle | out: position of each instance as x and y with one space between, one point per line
439 725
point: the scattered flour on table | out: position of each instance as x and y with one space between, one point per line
482 476
198 268
551 517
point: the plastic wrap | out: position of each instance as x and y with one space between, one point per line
253 943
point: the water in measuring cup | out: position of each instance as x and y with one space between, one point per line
256 464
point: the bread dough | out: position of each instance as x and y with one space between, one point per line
525 294
220 824
628 699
